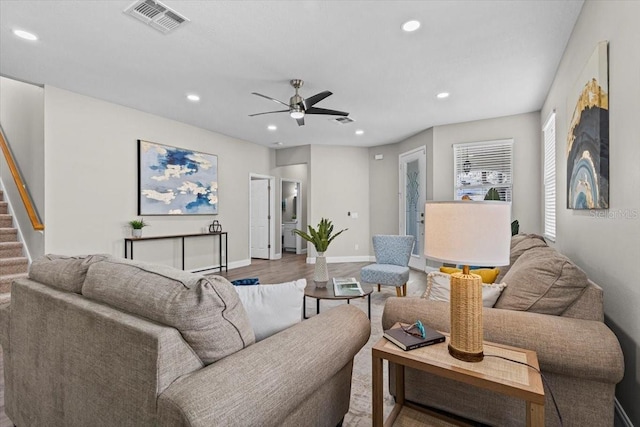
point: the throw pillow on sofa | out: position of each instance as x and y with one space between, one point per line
272 308
439 289
206 311
542 281
488 274
520 243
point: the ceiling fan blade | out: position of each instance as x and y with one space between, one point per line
309 102
300 121
269 112
315 110
270 98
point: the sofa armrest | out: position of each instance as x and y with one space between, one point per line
5 314
567 346
263 383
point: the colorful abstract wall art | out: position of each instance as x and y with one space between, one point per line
588 136
176 181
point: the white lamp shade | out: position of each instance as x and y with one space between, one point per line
467 232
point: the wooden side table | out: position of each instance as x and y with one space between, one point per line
495 374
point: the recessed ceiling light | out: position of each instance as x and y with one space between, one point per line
442 95
410 26
193 97
25 35
277 143
359 132
272 127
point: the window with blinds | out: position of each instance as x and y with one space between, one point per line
549 177
480 166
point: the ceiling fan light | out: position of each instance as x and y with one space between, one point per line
296 114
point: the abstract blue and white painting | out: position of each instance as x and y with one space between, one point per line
176 181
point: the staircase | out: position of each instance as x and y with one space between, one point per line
13 265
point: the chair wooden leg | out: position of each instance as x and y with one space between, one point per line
399 291
378 287
404 289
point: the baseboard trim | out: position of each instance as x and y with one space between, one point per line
216 269
332 260
621 414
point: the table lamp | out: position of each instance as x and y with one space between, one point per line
467 233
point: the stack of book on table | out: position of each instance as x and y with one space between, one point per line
407 341
347 287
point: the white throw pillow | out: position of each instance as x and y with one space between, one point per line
272 308
439 289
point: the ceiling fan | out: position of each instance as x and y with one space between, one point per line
298 107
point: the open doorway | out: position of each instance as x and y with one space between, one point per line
262 225
291 204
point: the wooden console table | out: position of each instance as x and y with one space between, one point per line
128 243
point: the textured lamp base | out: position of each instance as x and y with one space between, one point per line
466 317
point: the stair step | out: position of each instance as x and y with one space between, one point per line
4 207
10 249
7 279
8 234
5 298
6 221
14 265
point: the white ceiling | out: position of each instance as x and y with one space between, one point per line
496 58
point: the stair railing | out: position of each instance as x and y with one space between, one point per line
22 188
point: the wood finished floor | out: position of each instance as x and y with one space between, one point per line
290 267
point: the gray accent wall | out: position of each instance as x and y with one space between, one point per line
91 181
606 243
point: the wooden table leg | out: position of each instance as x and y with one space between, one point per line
399 384
535 415
378 408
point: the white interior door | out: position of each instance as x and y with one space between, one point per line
260 218
413 194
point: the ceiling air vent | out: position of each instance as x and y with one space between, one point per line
343 120
156 14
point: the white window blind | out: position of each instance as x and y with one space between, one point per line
480 166
549 177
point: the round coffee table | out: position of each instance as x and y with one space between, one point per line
327 293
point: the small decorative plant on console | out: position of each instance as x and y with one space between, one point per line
320 238
136 227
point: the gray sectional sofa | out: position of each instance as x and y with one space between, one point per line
100 341
550 306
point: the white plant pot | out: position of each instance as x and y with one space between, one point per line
136 233
321 273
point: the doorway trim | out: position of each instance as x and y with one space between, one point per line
420 154
299 249
272 198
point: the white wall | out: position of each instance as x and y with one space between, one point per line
606 243
22 118
339 183
525 130
91 181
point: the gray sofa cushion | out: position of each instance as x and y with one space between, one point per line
520 243
63 272
206 311
542 281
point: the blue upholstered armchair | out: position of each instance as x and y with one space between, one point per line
392 262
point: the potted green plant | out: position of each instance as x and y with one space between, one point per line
321 238
492 194
136 227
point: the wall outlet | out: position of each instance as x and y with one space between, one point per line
354 215
357 246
